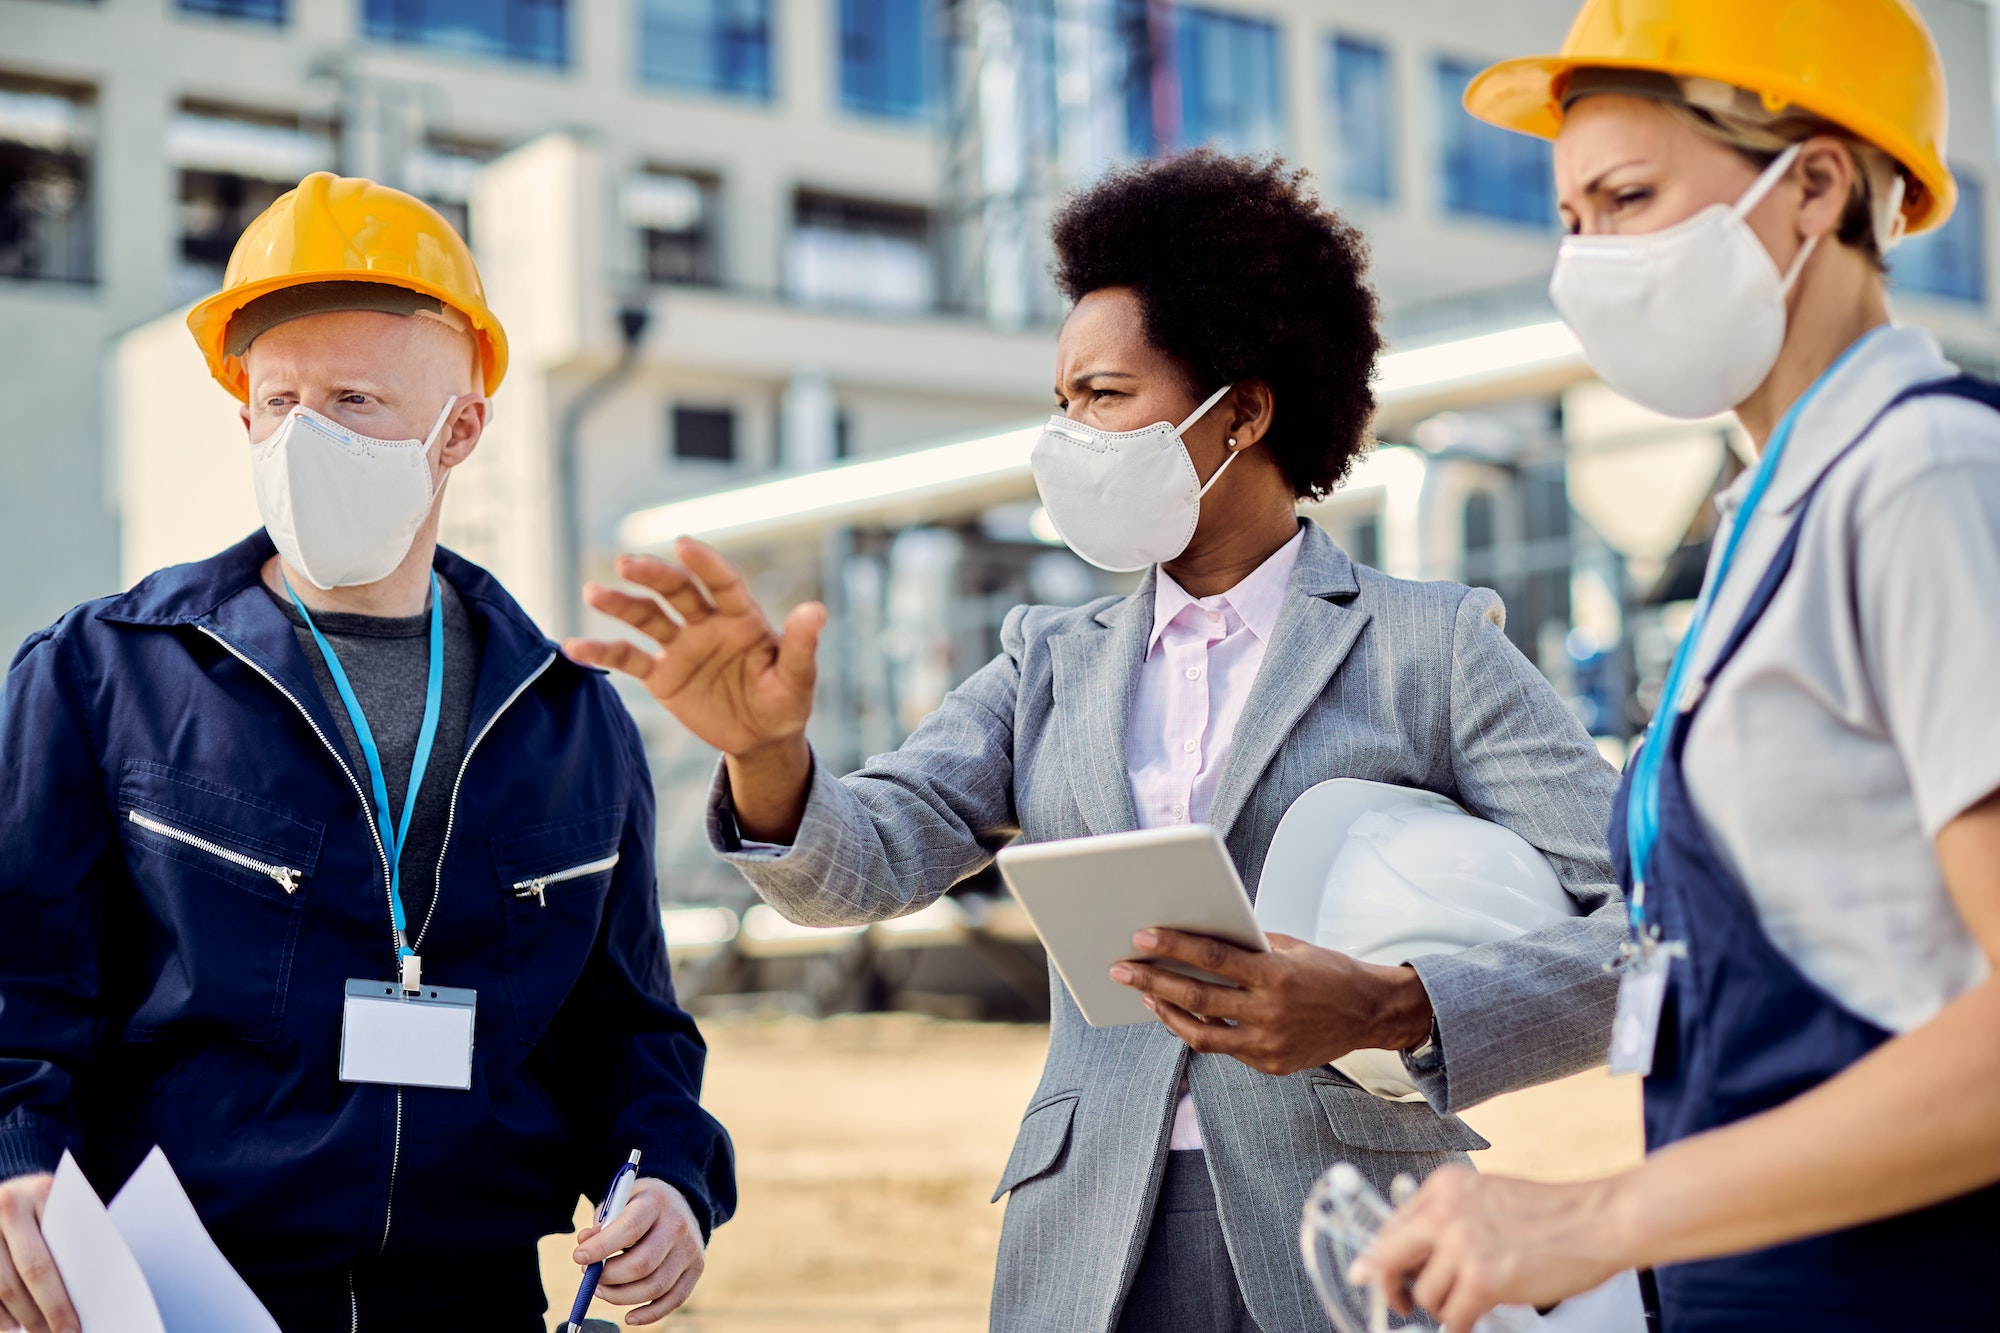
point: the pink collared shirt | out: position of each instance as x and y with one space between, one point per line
1200 663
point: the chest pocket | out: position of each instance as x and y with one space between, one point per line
555 878
223 879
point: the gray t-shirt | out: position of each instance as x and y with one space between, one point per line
387 661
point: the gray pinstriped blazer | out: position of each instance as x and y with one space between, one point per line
1366 676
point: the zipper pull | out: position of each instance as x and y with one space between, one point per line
288 878
538 887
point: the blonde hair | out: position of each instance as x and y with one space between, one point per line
1868 222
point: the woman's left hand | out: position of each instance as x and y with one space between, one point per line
1292 1008
1467 1243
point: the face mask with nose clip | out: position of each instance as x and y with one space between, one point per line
1123 500
1687 320
342 507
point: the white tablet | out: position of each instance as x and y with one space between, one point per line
1087 897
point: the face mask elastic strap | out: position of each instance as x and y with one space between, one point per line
1217 476
1791 274
1202 411
1764 184
431 438
1889 225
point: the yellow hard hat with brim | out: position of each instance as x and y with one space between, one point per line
1868 66
326 245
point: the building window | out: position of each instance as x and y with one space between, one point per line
232 165
861 255
46 136
255 11
1230 90
1476 526
886 50
1489 172
1362 97
530 30
674 213
705 434
1951 261
710 46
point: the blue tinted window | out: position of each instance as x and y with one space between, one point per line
1363 102
1489 172
1951 261
259 11
1228 71
532 30
885 55
1143 33
716 46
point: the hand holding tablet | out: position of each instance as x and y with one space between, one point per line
1087 897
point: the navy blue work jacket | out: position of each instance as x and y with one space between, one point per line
184 988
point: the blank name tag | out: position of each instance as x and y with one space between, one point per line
1635 1028
416 1039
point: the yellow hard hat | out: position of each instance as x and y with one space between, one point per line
1868 66
346 230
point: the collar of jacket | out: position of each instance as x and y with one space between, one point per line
1892 359
1097 674
223 596
1323 570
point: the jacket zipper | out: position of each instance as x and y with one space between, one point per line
287 878
374 833
353 1306
437 892
451 817
451 811
332 749
532 888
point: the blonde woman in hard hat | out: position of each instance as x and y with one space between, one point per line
1810 836
264 812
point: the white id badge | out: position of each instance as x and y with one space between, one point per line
415 1039
1642 989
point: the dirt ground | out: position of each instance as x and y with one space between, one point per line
868 1146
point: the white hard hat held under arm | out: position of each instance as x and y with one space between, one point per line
1386 874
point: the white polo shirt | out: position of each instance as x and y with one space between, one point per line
1863 713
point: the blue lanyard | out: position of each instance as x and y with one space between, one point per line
392 834
1642 801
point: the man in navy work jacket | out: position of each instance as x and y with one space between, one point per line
268 820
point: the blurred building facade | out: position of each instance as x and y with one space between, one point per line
735 240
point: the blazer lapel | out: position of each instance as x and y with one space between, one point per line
1096 674
1312 638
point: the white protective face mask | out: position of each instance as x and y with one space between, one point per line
1686 321
1123 500
341 507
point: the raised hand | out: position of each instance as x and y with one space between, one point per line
722 671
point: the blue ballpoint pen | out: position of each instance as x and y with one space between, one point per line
614 1204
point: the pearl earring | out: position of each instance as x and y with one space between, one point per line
1232 442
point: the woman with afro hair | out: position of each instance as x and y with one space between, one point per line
1213 371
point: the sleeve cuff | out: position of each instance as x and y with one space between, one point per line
725 837
29 1149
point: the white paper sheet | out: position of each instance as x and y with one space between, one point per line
194 1286
105 1282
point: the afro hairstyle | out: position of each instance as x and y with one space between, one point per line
1242 275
